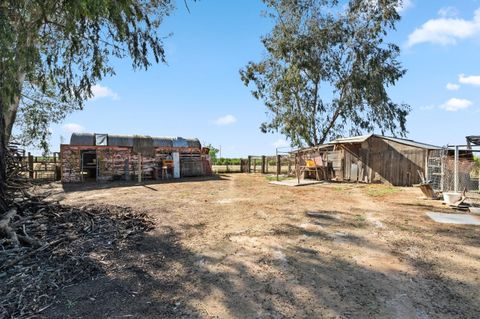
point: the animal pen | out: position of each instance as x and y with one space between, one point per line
454 168
369 159
101 157
40 168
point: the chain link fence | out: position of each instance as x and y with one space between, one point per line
444 170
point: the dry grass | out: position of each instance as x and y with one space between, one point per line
239 247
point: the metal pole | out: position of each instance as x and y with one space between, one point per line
455 175
443 158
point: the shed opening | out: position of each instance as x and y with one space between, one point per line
89 165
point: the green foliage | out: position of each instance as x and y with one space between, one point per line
212 152
54 51
476 165
227 161
375 191
327 69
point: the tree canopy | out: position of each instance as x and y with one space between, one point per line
54 51
327 69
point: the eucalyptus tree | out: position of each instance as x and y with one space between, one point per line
53 51
327 69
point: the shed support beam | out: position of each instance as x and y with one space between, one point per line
455 175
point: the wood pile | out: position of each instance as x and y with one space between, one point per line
46 246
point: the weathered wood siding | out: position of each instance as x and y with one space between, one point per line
115 162
392 162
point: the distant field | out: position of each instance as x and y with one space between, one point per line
272 169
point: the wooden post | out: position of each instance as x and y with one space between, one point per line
263 164
249 163
279 165
127 170
30 165
139 168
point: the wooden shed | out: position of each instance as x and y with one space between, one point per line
372 158
101 157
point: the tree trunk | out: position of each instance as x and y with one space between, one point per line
3 165
10 109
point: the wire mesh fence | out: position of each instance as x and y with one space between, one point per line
447 172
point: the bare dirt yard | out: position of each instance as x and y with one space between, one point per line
239 247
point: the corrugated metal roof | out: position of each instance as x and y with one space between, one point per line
473 139
314 148
352 139
411 142
129 140
363 138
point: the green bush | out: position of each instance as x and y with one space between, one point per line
227 161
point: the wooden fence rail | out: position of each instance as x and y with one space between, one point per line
277 164
41 167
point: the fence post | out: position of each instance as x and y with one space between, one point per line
263 164
249 163
279 165
254 165
140 168
30 165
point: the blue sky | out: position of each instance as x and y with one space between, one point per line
200 94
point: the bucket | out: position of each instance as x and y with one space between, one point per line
451 198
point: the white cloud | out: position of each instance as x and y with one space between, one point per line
448 12
73 128
455 104
445 30
452 87
226 120
281 143
404 5
100 91
472 79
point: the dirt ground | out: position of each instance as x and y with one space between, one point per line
239 247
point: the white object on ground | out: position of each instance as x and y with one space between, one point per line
294 182
459 219
451 198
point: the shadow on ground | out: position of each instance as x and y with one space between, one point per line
156 277
89 186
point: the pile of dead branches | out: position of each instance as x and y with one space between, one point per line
50 246
45 246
